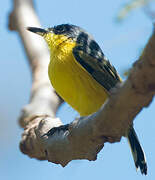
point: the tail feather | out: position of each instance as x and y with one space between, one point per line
137 151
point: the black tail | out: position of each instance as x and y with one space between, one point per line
137 151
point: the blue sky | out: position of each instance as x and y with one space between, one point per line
122 44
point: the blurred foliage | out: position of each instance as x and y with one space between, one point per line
131 6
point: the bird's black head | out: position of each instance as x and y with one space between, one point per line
64 29
69 30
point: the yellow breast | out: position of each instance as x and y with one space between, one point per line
73 83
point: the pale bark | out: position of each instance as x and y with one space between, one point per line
85 136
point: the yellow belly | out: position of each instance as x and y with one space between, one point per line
75 85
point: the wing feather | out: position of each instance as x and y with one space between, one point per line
91 57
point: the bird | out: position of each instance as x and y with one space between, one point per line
83 76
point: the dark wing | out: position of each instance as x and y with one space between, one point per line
90 56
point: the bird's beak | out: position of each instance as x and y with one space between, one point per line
38 31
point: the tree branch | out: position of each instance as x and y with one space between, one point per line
43 101
85 136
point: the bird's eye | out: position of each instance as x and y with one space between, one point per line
60 28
